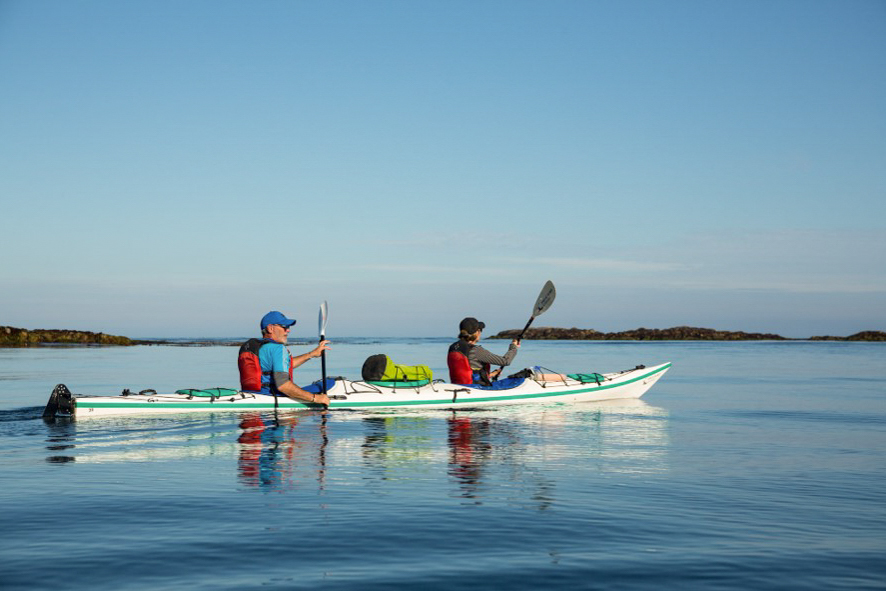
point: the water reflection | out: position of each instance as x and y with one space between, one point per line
274 455
137 439
266 449
514 452
61 437
520 454
392 443
470 448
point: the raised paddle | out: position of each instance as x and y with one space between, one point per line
324 310
544 301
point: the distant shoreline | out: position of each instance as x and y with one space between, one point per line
677 333
22 337
11 337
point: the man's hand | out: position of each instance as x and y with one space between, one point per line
323 346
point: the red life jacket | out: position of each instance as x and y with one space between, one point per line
459 366
252 378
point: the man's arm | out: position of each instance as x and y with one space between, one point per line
280 361
281 381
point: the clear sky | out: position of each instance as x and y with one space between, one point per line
178 168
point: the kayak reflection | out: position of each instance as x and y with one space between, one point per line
508 453
61 438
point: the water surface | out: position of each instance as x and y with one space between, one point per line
748 466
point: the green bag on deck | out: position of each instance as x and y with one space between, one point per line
380 368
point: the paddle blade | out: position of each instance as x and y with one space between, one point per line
324 311
545 299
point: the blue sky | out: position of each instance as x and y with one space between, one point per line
175 168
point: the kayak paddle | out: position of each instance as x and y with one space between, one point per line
544 301
324 309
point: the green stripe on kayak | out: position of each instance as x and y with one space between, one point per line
288 403
220 405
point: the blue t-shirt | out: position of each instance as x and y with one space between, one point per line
274 357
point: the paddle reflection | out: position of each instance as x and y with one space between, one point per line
274 457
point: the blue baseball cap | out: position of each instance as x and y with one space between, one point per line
275 317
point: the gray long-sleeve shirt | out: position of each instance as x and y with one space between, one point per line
477 356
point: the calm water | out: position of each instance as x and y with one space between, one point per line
748 466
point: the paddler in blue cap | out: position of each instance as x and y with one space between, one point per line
266 364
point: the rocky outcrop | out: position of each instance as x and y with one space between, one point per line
21 337
865 335
677 333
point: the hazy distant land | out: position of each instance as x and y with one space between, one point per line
21 337
677 333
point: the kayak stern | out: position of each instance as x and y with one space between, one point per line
61 403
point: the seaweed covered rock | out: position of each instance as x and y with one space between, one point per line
21 337
865 335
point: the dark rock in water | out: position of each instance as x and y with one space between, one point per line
677 333
21 337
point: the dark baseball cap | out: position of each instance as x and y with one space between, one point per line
471 325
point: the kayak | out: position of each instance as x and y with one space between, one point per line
345 394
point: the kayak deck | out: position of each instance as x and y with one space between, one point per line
348 394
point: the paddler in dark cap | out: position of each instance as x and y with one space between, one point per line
469 363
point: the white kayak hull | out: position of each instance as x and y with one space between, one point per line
355 395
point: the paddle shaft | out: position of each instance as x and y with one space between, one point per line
323 366
324 315
523 332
